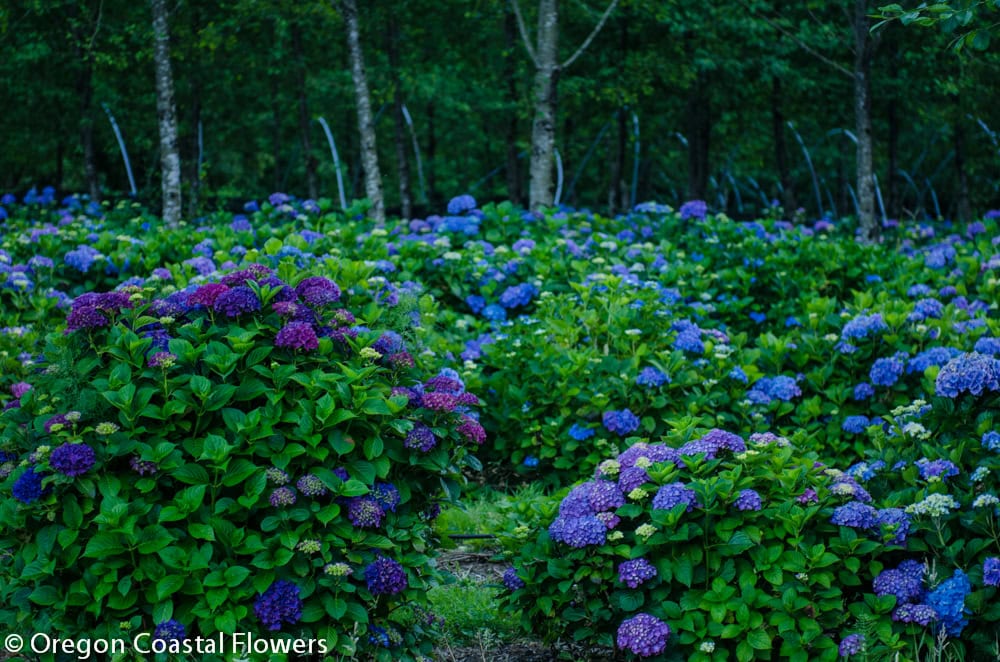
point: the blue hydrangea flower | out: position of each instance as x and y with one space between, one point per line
170 631
518 295
652 377
767 389
622 422
936 469
863 391
737 374
475 303
856 515
511 580
886 371
973 373
28 486
864 326
905 582
988 345
384 576
895 521
581 433
948 600
850 645
748 500
991 441
461 204
578 531
696 209
673 494
494 313
855 424
935 356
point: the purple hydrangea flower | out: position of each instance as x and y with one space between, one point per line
297 335
420 437
511 580
72 459
283 496
635 572
279 604
236 301
696 209
170 631
386 495
311 486
652 377
852 644
910 612
318 291
991 571
605 496
643 635
365 512
385 576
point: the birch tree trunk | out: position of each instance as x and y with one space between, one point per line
543 129
366 125
870 227
170 161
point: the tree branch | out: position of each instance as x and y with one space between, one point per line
801 44
524 32
590 38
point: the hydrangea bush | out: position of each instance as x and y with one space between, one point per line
725 548
241 455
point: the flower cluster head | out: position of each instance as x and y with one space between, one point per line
318 291
72 459
912 612
856 515
905 582
384 576
652 377
991 441
948 600
636 572
622 422
518 295
852 644
580 433
162 360
280 604
886 371
712 443
511 580
696 209
283 496
578 531
297 335
461 204
674 494
934 505
236 301
767 389
936 470
170 631
473 431
856 424
748 500
643 635
28 486
365 511
420 437
863 326
206 295
311 486
973 373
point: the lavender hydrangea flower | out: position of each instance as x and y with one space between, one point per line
643 635
318 291
280 604
910 612
605 495
636 572
365 512
696 209
901 582
652 377
420 437
850 645
311 486
991 571
283 496
748 500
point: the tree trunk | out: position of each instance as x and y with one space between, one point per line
699 125
432 192
300 83
543 130
964 209
402 160
616 195
170 161
781 150
870 227
366 126
509 74
276 133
